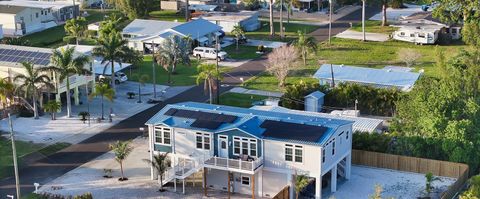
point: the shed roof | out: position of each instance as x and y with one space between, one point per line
316 94
379 77
252 121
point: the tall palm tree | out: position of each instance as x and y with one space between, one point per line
76 28
171 52
384 11
142 79
7 89
160 162
104 91
208 73
305 44
272 28
121 151
31 81
65 64
301 181
52 107
238 32
112 48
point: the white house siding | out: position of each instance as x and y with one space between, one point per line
273 182
184 142
8 21
275 158
342 148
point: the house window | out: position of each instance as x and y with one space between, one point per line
323 155
412 35
333 147
402 33
163 135
293 153
203 141
244 146
454 31
36 14
246 180
347 134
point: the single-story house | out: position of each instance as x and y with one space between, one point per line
422 28
141 34
382 78
227 20
23 17
12 56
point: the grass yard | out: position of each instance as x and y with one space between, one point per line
357 53
53 37
186 75
240 100
243 52
374 27
167 15
23 148
290 31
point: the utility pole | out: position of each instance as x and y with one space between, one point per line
14 151
333 79
187 12
363 20
330 2
217 48
154 74
281 19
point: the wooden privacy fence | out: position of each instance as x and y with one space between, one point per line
283 194
416 165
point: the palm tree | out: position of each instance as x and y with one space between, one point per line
238 32
160 162
7 88
384 11
305 44
172 51
121 151
209 74
301 181
272 28
65 64
104 91
141 82
76 28
112 48
31 82
52 107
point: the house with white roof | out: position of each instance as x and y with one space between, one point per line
11 58
248 20
248 151
22 17
141 34
381 78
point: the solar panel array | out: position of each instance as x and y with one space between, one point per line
18 56
202 119
293 131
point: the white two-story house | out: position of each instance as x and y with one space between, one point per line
250 151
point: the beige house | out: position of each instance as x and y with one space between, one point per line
11 58
24 17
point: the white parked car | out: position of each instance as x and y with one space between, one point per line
209 53
119 77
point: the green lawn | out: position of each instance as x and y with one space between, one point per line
167 15
374 27
23 148
53 37
243 52
290 31
186 75
358 53
240 100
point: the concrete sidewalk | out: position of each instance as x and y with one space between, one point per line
350 34
256 92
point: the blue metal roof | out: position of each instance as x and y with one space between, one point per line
197 28
379 77
316 94
248 120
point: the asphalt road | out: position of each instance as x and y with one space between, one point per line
49 168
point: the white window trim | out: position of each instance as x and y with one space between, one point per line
162 135
294 147
203 135
249 180
250 140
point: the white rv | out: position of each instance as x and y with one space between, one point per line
418 34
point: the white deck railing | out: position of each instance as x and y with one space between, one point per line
237 164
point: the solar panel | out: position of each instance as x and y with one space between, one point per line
292 131
199 123
17 56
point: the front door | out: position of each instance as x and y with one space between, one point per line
223 146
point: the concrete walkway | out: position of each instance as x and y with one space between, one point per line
256 92
350 34
394 14
315 17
